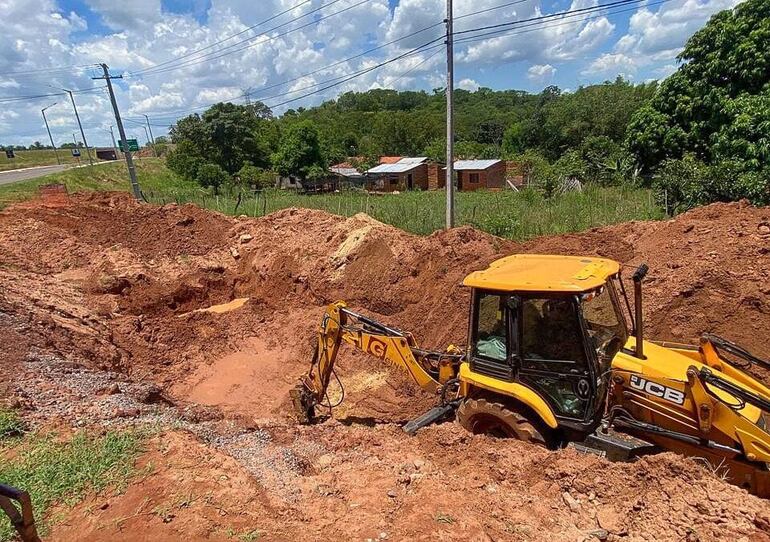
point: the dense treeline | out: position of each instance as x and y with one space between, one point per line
702 135
547 129
487 122
706 132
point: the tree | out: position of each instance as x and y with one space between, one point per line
715 106
185 160
212 175
299 153
255 177
513 140
228 135
233 134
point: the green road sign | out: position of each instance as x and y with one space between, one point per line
133 145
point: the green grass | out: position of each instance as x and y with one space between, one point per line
514 215
61 472
151 172
41 158
10 424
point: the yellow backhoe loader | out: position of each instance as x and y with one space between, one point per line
552 359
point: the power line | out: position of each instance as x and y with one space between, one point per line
4 99
520 22
46 70
493 8
224 52
252 90
359 74
218 42
538 26
363 71
549 16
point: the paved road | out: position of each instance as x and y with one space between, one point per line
16 175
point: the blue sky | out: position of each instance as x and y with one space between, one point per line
176 57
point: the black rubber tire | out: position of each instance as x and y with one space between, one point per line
482 417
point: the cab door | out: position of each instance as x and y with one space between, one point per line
551 357
491 347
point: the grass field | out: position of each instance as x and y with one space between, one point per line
40 158
57 470
152 174
508 214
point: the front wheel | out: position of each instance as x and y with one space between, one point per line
482 417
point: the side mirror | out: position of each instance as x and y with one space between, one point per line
640 273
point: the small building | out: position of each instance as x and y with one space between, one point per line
436 175
475 174
106 154
403 174
347 175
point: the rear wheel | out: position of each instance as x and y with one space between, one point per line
482 417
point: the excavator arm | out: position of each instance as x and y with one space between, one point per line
18 507
429 369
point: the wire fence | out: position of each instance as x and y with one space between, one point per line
514 215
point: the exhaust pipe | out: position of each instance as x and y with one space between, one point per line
637 277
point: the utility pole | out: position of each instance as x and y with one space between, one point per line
147 137
450 177
82 133
75 139
49 132
114 145
127 153
152 137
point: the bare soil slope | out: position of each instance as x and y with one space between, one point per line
116 313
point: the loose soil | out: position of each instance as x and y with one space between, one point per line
118 314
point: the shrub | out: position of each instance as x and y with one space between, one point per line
255 177
212 175
185 161
688 182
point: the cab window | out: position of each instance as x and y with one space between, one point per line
605 324
553 360
490 336
551 333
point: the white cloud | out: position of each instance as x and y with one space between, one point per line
541 72
468 84
276 68
122 14
655 35
612 64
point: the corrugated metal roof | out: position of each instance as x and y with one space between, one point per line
345 171
402 166
393 168
463 165
416 160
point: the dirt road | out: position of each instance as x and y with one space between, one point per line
198 323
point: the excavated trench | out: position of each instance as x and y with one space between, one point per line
213 317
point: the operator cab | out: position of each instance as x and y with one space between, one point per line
552 324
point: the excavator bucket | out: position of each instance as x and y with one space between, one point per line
18 507
304 403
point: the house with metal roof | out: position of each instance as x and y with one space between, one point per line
404 174
476 174
346 175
